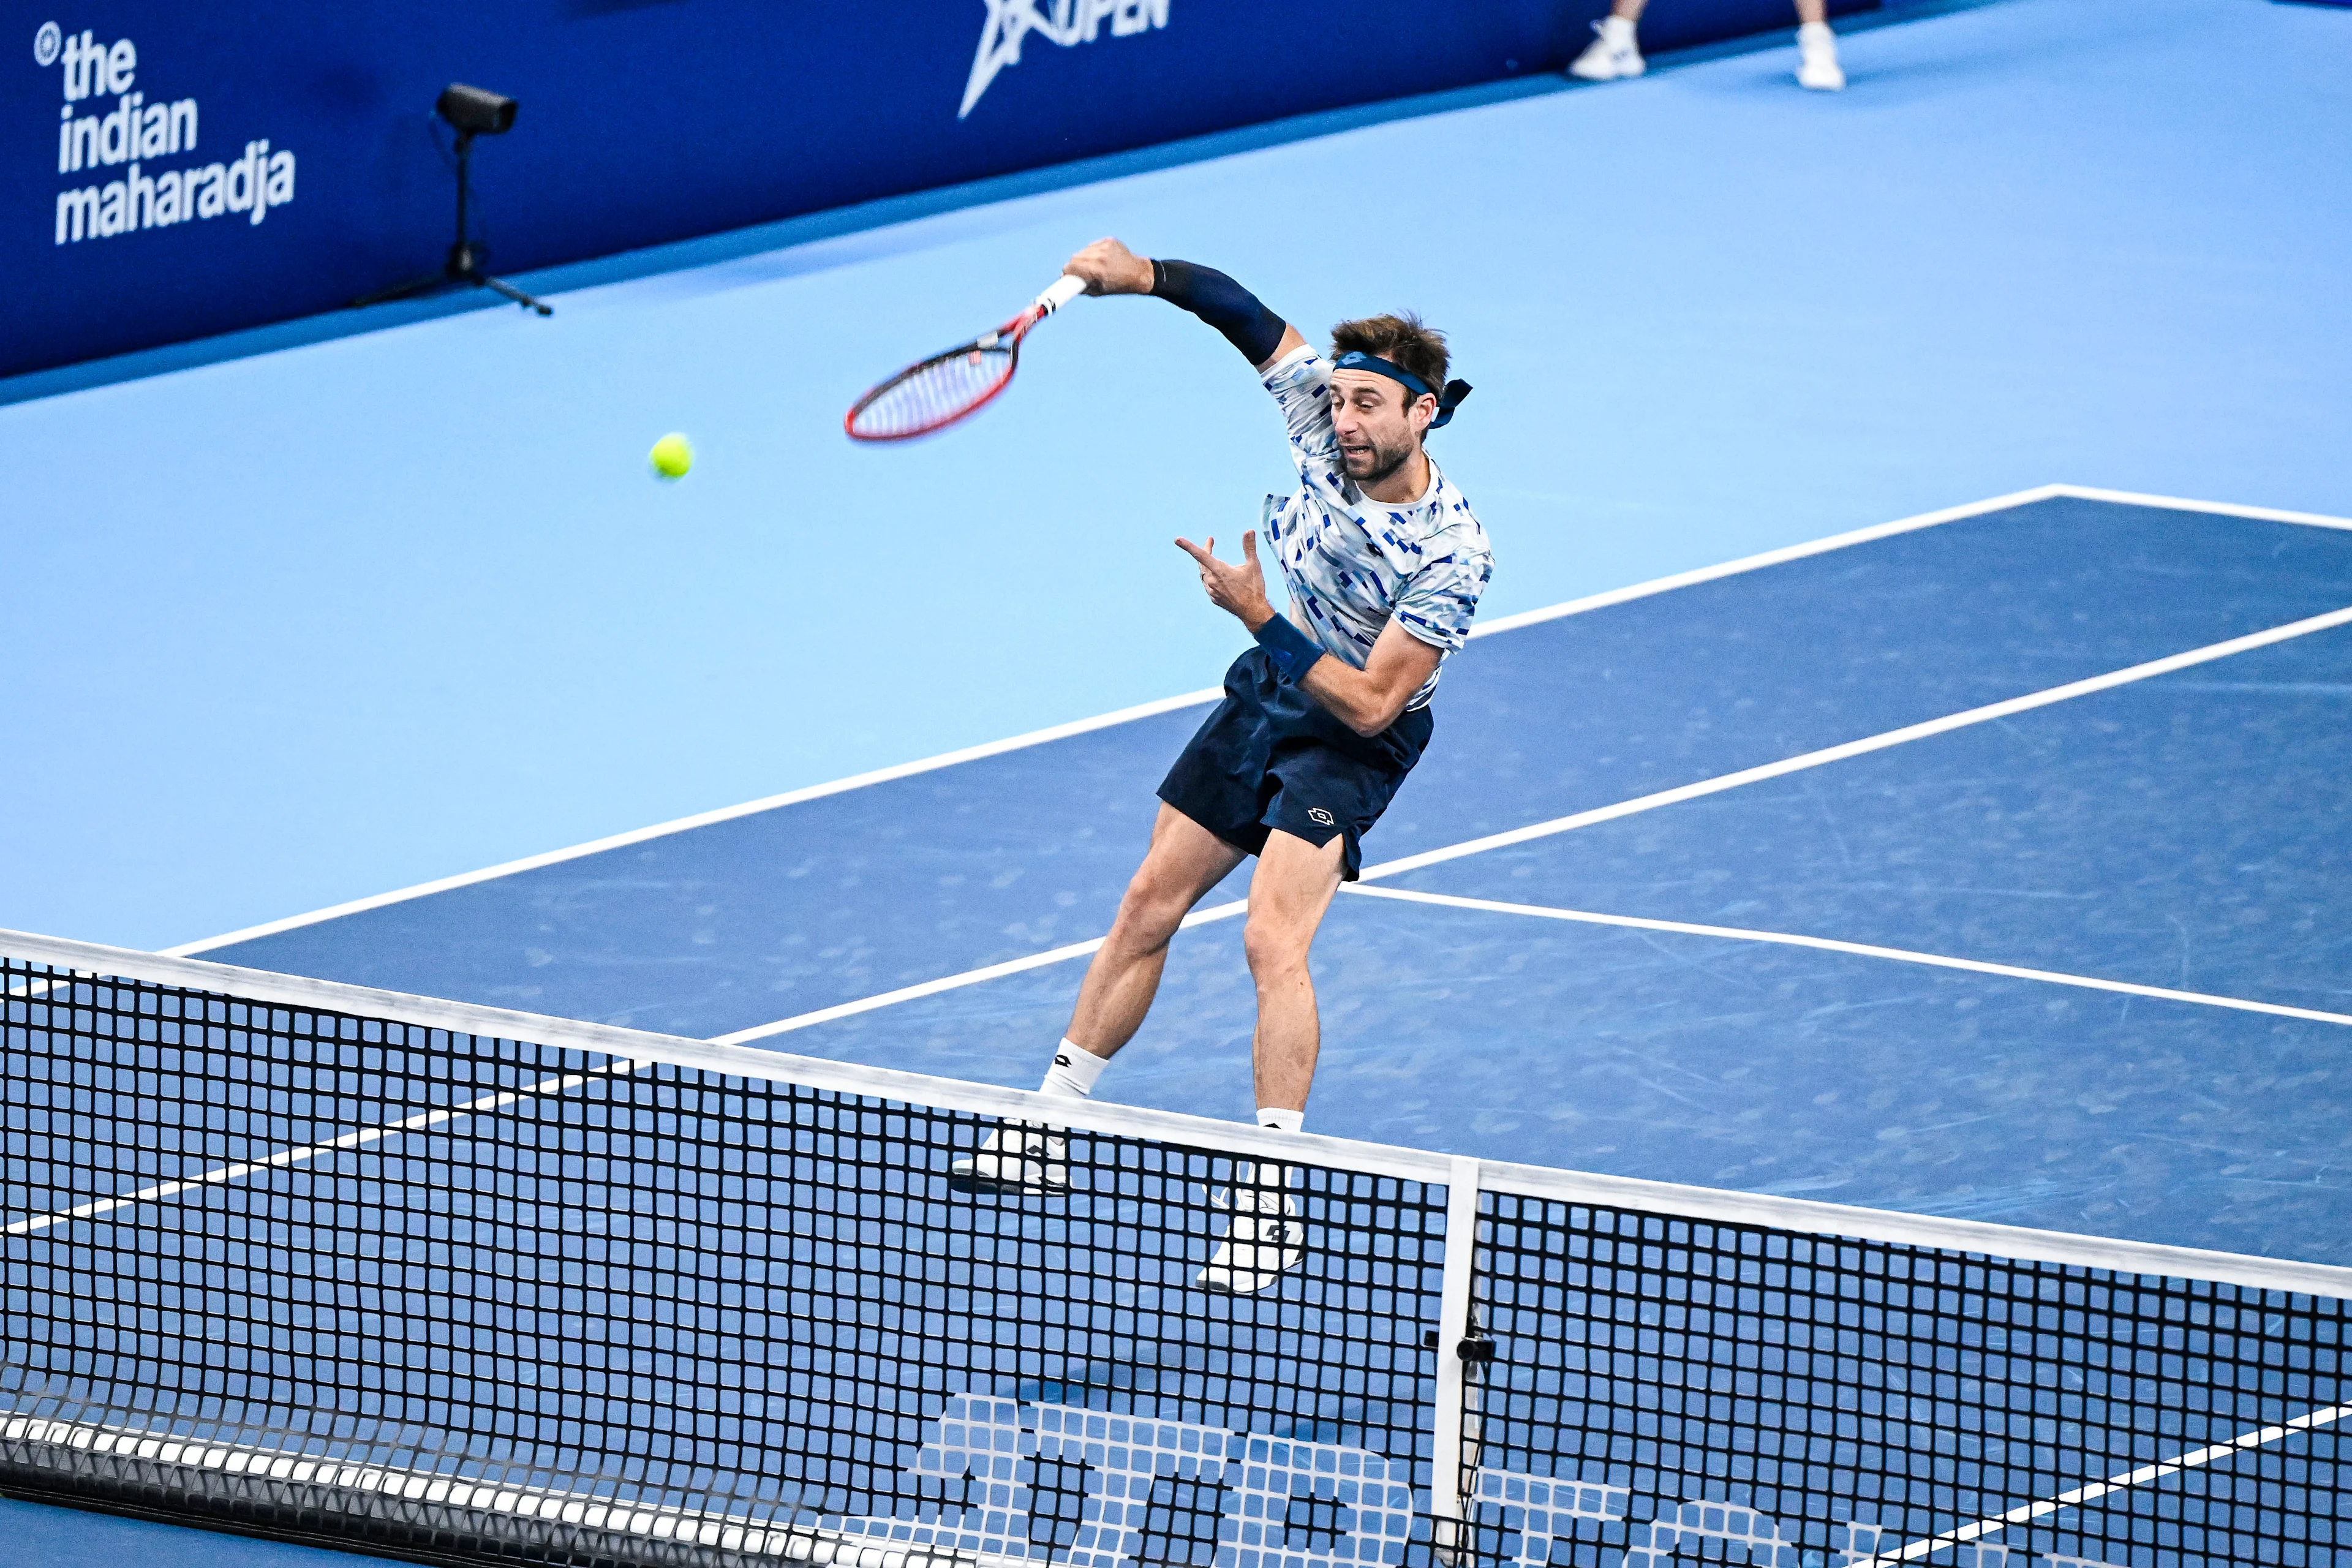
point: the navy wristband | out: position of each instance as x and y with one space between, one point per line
1292 651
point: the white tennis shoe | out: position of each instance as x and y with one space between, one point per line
1817 58
1264 1242
1610 55
1026 1158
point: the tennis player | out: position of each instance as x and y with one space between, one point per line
1383 563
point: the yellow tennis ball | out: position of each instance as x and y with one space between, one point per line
672 456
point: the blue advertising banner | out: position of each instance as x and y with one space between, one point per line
170 169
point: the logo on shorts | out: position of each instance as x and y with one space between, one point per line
1318 815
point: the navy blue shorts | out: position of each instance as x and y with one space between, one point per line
1271 756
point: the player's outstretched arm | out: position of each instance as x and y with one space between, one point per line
1367 700
1263 337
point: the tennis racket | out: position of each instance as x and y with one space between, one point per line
935 392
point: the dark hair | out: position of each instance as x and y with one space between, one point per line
1401 340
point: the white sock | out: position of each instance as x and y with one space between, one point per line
1283 1120
1074 1072
1617 32
1815 33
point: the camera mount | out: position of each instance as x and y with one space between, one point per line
472 112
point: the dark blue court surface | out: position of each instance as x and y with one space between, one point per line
2181 832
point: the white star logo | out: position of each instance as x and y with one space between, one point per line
1009 21
1065 22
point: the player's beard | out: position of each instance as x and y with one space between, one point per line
1379 464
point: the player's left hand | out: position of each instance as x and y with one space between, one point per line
1236 587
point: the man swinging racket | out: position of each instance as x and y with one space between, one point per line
1322 720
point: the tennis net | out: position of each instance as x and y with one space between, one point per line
443 1282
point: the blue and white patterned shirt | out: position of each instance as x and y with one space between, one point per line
1352 563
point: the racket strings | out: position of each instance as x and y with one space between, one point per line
933 393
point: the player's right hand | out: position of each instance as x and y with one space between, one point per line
1236 587
1109 268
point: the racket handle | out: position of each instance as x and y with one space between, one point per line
1064 290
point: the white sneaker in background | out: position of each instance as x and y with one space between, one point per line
1020 1157
1266 1241
1817 58
1611 54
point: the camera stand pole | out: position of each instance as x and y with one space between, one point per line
464 263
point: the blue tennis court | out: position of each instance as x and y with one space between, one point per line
1828 807
2177 831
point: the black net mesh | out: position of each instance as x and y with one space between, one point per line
1664 1388
345 1280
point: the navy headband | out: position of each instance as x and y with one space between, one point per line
1448 400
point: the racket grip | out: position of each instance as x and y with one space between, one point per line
1064 290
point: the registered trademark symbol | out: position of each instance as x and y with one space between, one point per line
47 43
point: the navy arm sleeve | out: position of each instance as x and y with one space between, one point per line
1224 304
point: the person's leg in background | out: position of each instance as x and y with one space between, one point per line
1615 53
1817 52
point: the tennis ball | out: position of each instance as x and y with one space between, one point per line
672 456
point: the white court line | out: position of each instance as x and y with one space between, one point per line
1859 950
1195 699
703 819
2260 1438
1052 955
1901 525
2218 507
220 1176
1869 743
1557 825
1745 564
1083 726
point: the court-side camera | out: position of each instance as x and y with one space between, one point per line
476 110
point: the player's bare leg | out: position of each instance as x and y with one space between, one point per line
1289 895
1184 861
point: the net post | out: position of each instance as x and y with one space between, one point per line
1456 1328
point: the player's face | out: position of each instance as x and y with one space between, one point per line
1378 426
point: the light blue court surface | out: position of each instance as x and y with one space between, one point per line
302 627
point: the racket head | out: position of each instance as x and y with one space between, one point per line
935 392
